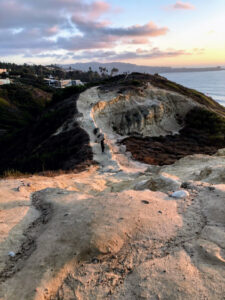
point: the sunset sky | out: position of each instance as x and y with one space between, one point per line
147 32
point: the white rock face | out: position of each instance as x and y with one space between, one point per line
151 112
180 194
221 152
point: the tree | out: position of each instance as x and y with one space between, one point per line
90 74
103 71
114 70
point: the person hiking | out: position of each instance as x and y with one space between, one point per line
100 138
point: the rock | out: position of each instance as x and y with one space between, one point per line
180 194
212 174
187 185
141 185
105 243
145 201
152 169
220 152
12 254
123 149
161 183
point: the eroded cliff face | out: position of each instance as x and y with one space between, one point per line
157 126
146 111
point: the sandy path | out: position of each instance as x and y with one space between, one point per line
114 157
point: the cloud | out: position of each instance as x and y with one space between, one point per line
114 56
79 29
137 41
39 26
24 41
100 35
179 5
198 51
147 30
98 8
111 56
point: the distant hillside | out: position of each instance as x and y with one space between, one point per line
126 67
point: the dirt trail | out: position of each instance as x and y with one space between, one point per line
114 231
35 229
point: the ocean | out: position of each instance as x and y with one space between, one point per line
210 83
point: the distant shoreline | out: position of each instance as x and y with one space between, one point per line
130 68
193 70
211 83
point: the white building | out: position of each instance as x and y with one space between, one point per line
68 82
77 82
5 81
65 83
51 81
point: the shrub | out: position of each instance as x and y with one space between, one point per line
208 121
13 174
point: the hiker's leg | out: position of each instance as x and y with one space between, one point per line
102 146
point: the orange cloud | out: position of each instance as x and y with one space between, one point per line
179 5
97 9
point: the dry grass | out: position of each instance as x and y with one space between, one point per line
14 174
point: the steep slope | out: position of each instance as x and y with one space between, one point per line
157 120
54 142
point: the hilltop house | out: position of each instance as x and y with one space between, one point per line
5 81
51 81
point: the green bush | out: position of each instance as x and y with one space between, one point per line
62 94
207 121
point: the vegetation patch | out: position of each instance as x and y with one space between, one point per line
203 120
20 105
35 147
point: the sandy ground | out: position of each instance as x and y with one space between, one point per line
114 231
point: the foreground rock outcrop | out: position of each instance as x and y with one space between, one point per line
113 236
117 230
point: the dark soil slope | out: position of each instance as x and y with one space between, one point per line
38 148
20 105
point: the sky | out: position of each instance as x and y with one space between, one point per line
144 32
